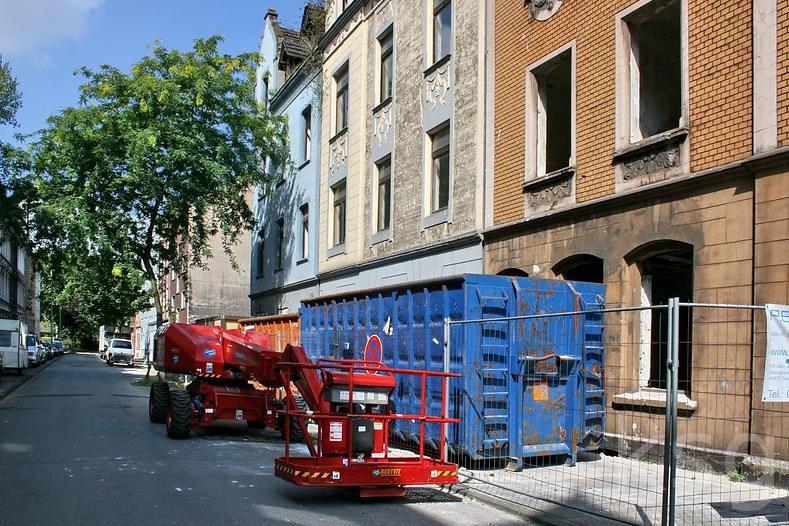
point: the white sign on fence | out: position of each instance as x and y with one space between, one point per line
776 364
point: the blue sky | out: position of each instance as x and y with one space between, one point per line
45 41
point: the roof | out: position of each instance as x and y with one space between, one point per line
293 45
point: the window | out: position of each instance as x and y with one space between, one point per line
666 272
580 267
552 107
5 338
305 232
386 66
654 60
338 223
265 90
261 253
280 243
384 194
442 29
341 100
439 171
306 139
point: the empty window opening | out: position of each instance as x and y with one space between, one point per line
514 272
665 275
581 267
384 194
554 113
655 63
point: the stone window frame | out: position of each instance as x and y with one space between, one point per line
667 152
260 252
306 136
379 235
435 7
442 215
534 133
304 234
280 244
337 245
384 53
341 88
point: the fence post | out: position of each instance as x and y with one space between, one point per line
669 424
673 393
447 392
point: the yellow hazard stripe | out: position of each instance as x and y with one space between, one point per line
204 375
304 474
446 473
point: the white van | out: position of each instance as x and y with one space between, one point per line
13 346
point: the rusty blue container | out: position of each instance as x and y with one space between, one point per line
529 351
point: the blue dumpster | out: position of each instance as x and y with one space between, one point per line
532 374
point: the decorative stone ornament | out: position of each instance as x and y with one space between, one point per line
543 9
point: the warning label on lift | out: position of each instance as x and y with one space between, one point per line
335 431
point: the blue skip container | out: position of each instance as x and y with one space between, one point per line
529 351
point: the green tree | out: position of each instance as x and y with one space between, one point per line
15 192
153 163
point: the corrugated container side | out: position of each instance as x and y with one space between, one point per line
502 363
282 329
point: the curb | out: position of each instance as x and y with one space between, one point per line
11 382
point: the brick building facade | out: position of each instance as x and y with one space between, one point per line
643 144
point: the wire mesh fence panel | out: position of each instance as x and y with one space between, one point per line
732 448
566 414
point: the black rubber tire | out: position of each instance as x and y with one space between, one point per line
296 433
158 400
179 414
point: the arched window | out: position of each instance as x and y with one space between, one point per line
666 272
515 272
581 267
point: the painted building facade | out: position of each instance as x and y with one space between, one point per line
401 177
284 261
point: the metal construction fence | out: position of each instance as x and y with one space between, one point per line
644 415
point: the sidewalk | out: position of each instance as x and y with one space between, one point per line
10 381
616 490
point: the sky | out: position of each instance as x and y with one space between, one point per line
45 41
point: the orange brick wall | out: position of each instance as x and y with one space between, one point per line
720 89
721 80
783 72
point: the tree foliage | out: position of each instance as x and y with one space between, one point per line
15 192
152 164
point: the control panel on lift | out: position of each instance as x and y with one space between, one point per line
363 433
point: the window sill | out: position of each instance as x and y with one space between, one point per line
443 60
656 142
279 269
436 218
304 165
550 178
338 135
648 399
380 237
383 104
336 250
260 276
302 261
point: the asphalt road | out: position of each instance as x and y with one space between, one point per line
76 447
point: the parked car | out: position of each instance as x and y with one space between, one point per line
35 351
120 350
47 350
57 345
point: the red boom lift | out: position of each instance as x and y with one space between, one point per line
349 400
